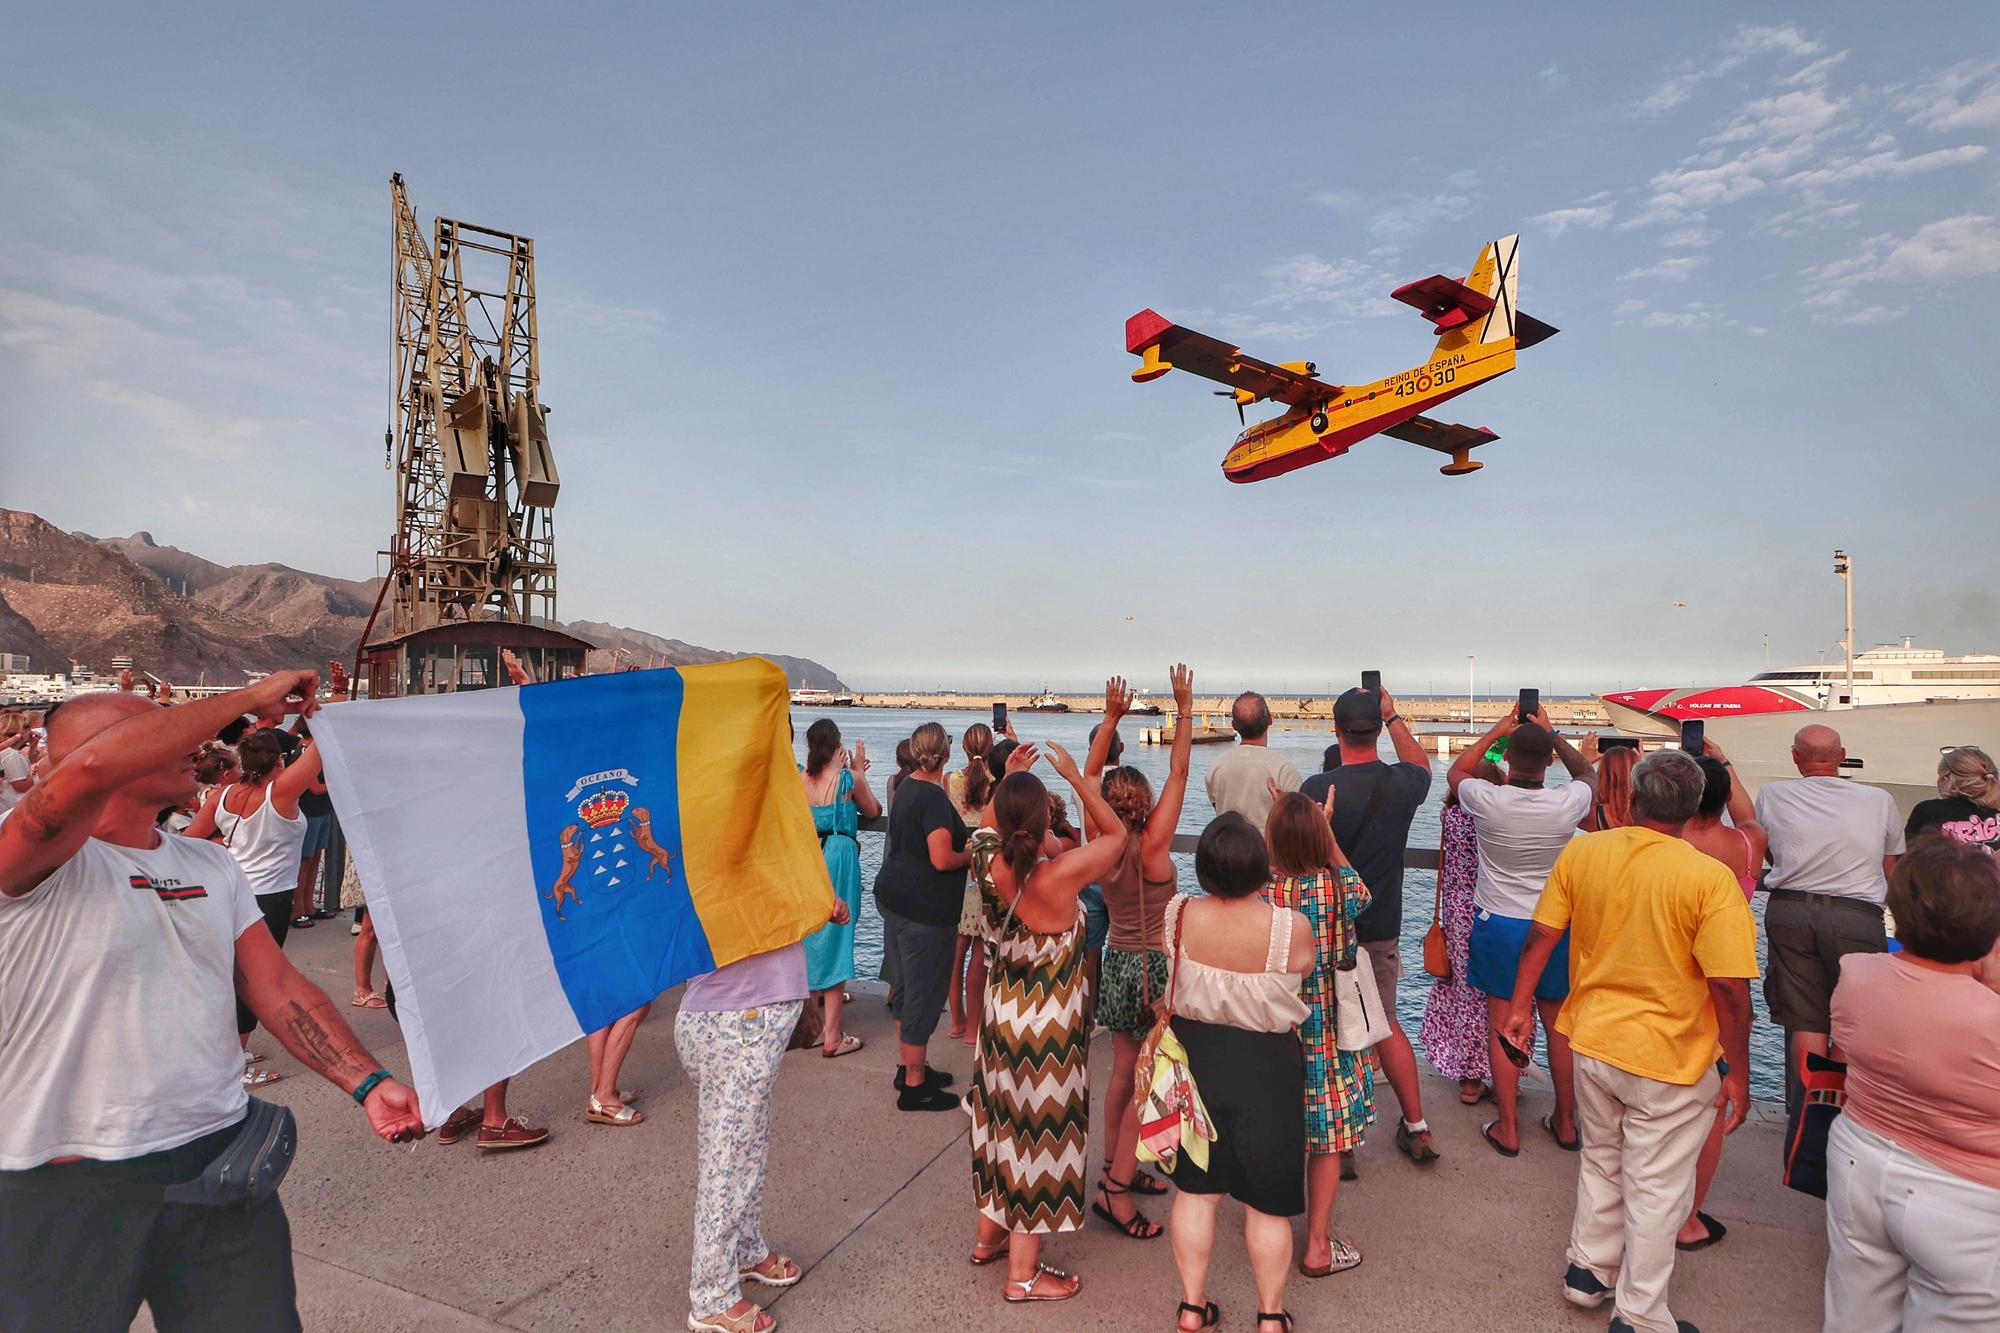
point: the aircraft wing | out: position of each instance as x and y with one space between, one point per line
1444 436
1167 346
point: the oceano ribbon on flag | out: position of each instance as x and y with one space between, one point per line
540 861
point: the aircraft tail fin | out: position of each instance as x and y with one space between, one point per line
1496 276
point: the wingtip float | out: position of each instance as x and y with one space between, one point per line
1479 330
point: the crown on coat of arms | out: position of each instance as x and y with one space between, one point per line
603 807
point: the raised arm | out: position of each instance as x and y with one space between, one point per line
293 781
1158 839
1117 702
1409 750
864 796
1067 874
516 673
1743 811
204 819
1572 758
1468 759
53 820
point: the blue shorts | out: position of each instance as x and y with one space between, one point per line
1096 918
319 831
1497 942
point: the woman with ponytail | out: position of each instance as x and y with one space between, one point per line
1967 808
970 788
1134 975
1030 1096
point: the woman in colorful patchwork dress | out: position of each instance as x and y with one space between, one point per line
837 789
1030 1095
1455 1034
1311 874
1134 975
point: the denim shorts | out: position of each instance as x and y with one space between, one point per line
319 829
1096 918
1495 958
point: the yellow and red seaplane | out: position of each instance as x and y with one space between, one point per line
1479 331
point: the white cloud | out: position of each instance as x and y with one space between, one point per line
1552 76
1677 269
1964 97
1813 75
1592 216
1792 115
1888 164
1820 215
1690 236
1694 315
1965 246
1390 215
1747 41
1349 287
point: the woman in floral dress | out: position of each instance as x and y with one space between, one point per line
1311 874
1454 1033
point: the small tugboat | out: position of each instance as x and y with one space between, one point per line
1046 702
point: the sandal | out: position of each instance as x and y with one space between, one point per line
1141 1183
788 1273
1283 1317
1345 1257
847 1045
1486 1132
621 1114
368 999
1567 1145
985 1252
252 1058
257 1078
750 1321
1028 1290
1211 1313
1138 1226
1484 1094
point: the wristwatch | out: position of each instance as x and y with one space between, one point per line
1392 719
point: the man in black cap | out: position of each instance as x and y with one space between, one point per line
1373 805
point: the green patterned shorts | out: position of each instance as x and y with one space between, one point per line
1122 1005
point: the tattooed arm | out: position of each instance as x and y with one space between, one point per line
299 1015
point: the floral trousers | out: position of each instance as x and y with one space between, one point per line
733 1058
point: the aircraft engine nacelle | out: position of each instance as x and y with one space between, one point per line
535 480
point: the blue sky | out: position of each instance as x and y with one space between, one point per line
832 304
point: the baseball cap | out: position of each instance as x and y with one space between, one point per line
1358 712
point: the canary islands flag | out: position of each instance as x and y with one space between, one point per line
540 861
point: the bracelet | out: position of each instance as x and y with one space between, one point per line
367 1085
1392 719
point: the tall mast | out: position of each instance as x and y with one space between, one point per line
1845 568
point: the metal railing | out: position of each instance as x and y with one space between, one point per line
1414 858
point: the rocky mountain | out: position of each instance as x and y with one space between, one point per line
69 595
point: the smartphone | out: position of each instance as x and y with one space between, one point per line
1372 680
1531 704
1694 738
1617 742
1000 717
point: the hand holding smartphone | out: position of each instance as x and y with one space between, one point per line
1372 680
1694 736
999 717
1530 704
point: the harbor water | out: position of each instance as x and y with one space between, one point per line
881 729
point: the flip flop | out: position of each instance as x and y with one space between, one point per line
1485 1095
1567 1145
1716 1231
1486 1132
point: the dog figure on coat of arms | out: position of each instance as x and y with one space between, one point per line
642 837
572 858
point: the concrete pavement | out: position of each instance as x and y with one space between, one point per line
591 1230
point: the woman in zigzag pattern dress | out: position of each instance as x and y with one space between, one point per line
1030 1095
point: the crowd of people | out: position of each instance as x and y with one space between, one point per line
1604 921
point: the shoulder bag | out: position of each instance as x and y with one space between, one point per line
1437 949
1171 1116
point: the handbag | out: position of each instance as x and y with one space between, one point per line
1172 1118
1358 1018
1806 1128
1437 949
251 1168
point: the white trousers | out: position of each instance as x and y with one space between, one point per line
1909 1244
733 1059
1640 1141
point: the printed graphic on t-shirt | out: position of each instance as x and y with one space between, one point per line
1981 830
170 890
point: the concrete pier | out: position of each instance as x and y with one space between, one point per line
1564 712
591 1230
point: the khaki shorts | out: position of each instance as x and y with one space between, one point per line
1385 959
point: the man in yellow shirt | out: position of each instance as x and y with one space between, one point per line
1661 950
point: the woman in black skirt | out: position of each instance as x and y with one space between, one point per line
1236 968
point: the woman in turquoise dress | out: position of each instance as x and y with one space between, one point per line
837 788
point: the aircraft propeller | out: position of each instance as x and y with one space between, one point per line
1241 420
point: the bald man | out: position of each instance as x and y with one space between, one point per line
1240 781
1833 844
122 952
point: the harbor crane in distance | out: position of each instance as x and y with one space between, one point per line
471 568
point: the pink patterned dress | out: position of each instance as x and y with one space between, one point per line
1454 1030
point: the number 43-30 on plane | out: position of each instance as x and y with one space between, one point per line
1479 331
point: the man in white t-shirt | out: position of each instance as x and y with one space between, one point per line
1240 781
1522 828
1833 844
16 772
122 952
